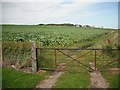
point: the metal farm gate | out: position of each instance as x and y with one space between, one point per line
91 59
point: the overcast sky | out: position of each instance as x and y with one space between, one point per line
92 13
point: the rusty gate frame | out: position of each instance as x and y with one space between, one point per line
76 59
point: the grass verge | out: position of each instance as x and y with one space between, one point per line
112 78
17 79
75 77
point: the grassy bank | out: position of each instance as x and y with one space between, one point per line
17 79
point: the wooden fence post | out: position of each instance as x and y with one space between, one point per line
34 60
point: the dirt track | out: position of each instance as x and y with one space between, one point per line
97 80
50 82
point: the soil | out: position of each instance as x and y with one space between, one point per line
50 82
97 80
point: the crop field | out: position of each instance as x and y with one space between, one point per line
51 35
16 49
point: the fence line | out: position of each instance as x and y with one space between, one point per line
35 56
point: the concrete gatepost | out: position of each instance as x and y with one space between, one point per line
34 59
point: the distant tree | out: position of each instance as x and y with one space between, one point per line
80 25
64 24
87 26
40 24
67 24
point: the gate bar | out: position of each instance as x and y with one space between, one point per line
84 54
76 49
75 60
110 63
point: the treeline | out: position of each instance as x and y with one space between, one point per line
69 24
64 24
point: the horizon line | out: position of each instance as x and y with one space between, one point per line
60 23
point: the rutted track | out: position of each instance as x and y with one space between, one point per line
97 80
50 82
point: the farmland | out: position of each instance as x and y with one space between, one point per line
51 35
17 39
